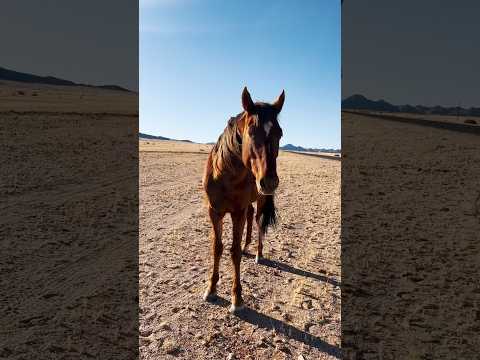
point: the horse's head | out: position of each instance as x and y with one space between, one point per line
260 141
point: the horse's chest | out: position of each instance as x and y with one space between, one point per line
231 196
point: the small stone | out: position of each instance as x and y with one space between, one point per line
230 356
165 326
262 342
145 341
284 349
170 347
301 357
278 339
307 304
145 332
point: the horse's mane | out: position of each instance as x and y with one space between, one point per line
228 147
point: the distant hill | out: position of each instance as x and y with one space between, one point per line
291 147
154 137
360 102
151 137
11 75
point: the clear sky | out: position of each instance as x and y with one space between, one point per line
89 41
197 55
431 61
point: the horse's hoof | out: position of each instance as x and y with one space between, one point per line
236 308
209 296
258 259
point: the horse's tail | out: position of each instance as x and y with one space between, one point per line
268 214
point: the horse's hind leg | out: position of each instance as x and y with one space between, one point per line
248 238
238 221
217 249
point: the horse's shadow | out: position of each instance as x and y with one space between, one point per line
288 268
266 322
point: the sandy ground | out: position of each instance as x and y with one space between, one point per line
68 219
26 97
410 249
431 117
293 300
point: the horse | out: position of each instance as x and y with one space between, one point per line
242 169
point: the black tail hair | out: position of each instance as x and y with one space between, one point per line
268 216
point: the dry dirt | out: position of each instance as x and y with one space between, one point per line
430 117
68 223
26 97
410 249
293 299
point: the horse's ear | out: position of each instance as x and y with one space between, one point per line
247 102
279 103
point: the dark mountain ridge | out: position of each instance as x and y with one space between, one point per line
291 147
360 102
288 147
11 75
151 137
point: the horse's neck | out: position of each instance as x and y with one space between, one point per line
235 171
238 168
229 149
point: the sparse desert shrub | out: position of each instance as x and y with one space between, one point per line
470 121
20 92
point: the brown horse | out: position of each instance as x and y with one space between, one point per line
242 169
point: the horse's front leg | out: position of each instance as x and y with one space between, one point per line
248 237
217 249
238 222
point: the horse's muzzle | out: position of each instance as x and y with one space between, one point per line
267 185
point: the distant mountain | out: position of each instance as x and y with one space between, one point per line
290 147
360 102
11 75
151 137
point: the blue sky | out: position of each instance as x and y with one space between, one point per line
197 55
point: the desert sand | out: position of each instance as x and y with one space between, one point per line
293 299
68 219
410 240
431 117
